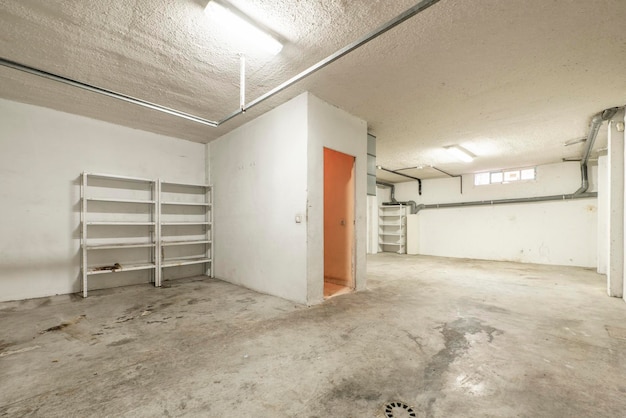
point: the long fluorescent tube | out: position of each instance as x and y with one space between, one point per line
242 29
460 153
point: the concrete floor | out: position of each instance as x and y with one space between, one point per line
451 338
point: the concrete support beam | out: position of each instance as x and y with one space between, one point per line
615 273
603 215
372 224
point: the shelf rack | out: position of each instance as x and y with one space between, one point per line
188 208
119 188
392 228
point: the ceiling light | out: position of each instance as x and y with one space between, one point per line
242 28
460 153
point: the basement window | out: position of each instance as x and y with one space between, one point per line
511 176
504 176
528 174
481 179
496 177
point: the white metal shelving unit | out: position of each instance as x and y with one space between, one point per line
117 201
174 221
392 228
186 226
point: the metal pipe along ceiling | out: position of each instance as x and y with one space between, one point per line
105 92
397 172
413 11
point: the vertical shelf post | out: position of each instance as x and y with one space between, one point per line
157 239
120 194
83 233
209 231
182 198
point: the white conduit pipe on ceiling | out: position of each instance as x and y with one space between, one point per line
94 89
418 8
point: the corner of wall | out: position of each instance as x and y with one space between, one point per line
207 162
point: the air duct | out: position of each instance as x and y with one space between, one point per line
596 122
392 197
393 190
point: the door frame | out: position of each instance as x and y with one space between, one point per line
353 235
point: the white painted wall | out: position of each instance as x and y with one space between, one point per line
561 233
259 174
331 127
266 173
372 224
42 153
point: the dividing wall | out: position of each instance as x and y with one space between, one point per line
269 197
259 174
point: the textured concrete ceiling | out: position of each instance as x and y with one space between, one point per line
510 80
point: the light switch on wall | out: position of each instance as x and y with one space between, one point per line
298 219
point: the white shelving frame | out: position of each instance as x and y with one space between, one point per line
207 225
87 247
392 228
155 225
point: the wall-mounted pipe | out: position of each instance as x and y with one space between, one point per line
410 203
392 197
581 193
596 122
409 13
391 186
242 83
571 196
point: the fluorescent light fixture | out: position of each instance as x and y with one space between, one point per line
460 153
243 29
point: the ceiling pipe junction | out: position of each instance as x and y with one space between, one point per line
409 13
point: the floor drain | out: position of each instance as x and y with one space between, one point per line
399 410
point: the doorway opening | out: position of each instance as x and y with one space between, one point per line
339 195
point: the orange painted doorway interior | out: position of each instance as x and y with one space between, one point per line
339 195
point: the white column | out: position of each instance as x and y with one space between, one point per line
603 215
617 128
615 274
372 225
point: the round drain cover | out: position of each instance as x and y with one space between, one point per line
399 410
